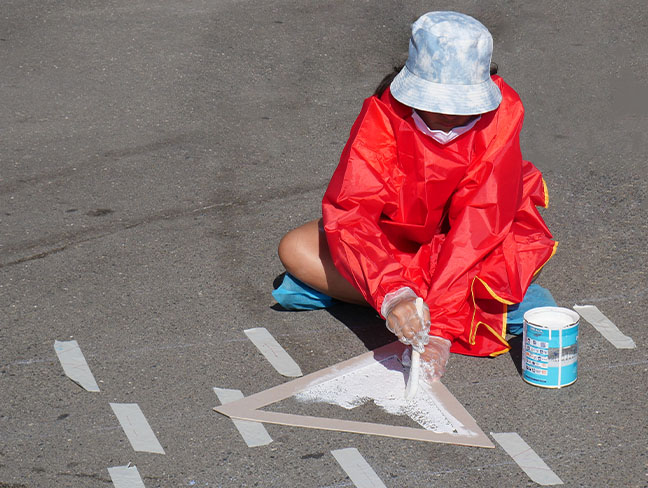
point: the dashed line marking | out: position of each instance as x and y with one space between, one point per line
254 433
357 468
526 458
273 352
605 326
74 364
136 427
126 477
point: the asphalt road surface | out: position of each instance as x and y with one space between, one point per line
153 153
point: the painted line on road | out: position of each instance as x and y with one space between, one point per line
254 433
136 428
272 350
74 364
126 477
526 458
357 468
605 326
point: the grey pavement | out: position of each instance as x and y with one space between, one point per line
153 153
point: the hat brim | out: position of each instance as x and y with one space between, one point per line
443 98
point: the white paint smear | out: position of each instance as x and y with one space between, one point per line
384 384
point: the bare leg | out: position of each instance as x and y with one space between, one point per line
305 254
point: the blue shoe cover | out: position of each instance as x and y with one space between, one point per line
536 296
292 294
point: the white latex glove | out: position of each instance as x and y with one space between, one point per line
433 360
403 320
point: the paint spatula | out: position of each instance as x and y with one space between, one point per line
412 382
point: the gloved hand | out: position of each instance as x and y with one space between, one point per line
433 359
399 308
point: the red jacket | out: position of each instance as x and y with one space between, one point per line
457 223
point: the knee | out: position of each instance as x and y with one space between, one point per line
299 250
289 250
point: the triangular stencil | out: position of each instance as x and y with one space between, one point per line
466 431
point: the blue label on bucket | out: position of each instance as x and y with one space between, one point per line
550 356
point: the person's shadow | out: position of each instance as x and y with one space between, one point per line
516 352
364 322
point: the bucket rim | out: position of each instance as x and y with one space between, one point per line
556 318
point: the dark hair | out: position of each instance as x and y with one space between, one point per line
386 81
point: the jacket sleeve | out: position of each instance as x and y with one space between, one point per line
354 202
481 213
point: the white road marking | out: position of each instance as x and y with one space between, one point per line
605 326
75 365
125 477
526 458
136 427
355 466
273 352
254 433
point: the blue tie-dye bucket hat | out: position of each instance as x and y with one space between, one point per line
448 67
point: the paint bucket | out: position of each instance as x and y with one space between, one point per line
550 347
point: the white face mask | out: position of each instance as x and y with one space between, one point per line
440 136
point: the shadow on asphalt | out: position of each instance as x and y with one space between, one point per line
516 352
364 322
